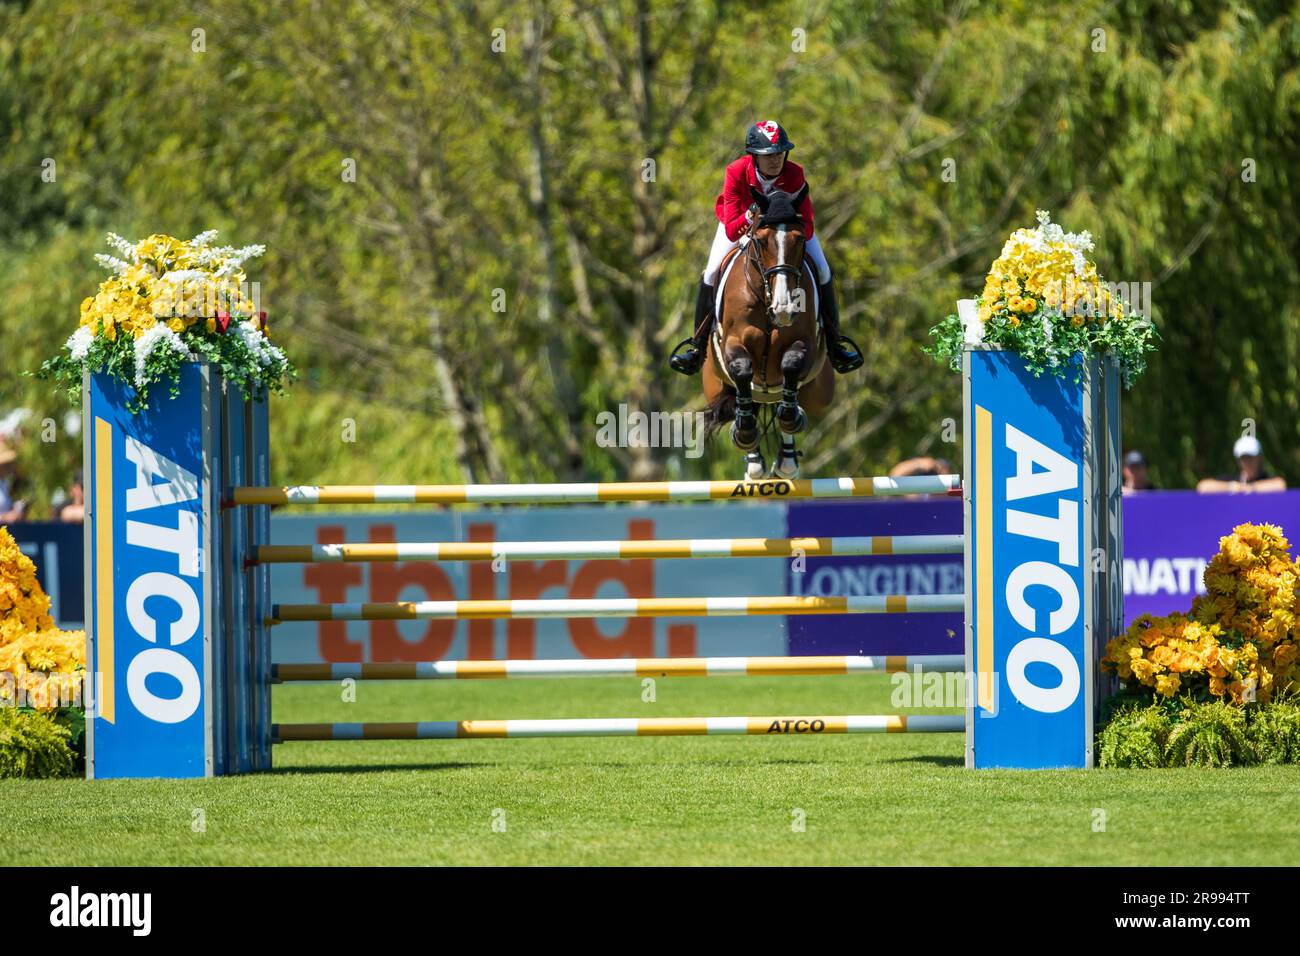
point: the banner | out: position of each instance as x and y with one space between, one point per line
150 641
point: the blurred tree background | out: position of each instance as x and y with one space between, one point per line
559 161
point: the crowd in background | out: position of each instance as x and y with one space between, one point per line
67 504
1248 475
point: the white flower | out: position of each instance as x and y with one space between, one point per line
156 337
79 342
184 275
123 246
204 238
112 263
258 345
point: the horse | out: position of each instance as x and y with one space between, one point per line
767 345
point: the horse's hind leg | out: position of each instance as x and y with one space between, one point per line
789 415
787 459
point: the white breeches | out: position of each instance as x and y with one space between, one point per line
722 245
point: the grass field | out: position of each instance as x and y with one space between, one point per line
878 799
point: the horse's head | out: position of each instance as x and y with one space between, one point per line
779 237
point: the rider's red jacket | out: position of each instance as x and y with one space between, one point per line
735 197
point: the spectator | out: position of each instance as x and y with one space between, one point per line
920 466
11 511
74 512
1135 473
1250 475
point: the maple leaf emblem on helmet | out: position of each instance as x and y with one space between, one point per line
770 129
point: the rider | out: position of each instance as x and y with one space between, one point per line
766 168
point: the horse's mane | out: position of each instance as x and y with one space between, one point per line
780 210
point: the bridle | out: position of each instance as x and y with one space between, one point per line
793 271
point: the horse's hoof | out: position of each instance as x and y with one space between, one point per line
755 467
791 424
746 439
785 467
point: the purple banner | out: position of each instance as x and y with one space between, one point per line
877 575
1170 536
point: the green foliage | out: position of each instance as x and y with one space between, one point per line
1182 732
1274 732
33 745
518 179
1210 734
1135 737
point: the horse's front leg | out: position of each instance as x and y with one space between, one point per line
744 430
789 415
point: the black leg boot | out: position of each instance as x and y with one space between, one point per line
841 351
689 354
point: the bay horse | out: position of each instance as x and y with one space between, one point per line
767 345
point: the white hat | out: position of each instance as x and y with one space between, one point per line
1246 445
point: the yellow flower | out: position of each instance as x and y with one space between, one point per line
1167 685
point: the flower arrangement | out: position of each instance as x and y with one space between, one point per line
39 662
1240 640
1044 299
168 301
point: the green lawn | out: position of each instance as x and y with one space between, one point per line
873 799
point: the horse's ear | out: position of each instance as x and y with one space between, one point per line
759 197
800 196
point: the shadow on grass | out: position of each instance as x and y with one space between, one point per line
373 768
935 759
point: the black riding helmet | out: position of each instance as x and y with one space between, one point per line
766 137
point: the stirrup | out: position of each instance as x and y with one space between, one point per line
686 357
844 355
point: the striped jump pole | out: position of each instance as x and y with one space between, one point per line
625 667
625 727
620 607
595 492
595 550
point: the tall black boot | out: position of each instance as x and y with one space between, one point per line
841 351
688 356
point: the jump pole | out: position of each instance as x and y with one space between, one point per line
596 492
802 726
614 550
617 607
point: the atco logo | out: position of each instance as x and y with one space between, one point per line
761 489
1049 481
168 559
791 725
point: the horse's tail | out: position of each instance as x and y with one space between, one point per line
719 411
